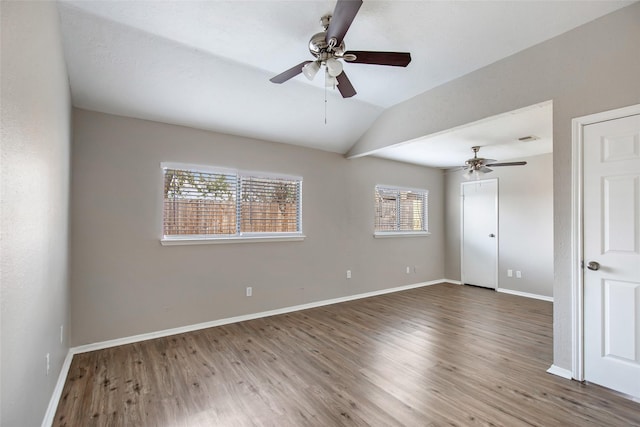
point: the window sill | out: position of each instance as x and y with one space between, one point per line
231 239
387 234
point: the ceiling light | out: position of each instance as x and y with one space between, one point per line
311 69
475 174
330 81
334 67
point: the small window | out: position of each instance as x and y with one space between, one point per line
202 203
401 211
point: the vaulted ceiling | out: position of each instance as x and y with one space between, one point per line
207 64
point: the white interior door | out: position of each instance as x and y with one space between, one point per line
480 233
612 254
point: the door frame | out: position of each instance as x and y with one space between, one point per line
497 226
577 230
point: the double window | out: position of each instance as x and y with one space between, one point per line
401 211
209 204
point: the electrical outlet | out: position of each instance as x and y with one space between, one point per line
348 274
408 270
509 273
249 291
518 274
61 334
48 365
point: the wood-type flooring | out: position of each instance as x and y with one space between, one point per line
442 355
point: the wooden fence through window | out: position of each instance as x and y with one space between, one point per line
215 217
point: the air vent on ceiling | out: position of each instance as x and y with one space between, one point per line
528 138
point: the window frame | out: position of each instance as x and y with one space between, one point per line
403 233
239 237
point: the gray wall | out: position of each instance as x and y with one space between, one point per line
36 115
525 235
125 283
592 68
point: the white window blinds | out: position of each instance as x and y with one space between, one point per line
210 203
401 210
269 205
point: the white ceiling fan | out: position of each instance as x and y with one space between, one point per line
477 166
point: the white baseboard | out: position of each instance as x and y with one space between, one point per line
189 328
561 372
57 391
525 294
453 282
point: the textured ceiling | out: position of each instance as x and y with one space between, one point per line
207 64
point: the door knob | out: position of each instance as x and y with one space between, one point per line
492 235
593 265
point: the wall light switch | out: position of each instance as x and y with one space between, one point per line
518 274
249 291
348 274
509 273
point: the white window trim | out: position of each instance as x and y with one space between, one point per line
386 234
204 239
199 168
395 233
232 171
396 187
215 240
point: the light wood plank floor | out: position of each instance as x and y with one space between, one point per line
438 355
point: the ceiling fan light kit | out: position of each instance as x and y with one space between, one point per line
311 69
329 80
334 67
328 48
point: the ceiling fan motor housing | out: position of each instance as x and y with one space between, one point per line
475 163
319 47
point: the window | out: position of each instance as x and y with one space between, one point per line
213 205
401 211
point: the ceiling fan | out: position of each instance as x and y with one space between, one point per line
328 48
478 166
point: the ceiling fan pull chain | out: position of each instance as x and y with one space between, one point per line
325 104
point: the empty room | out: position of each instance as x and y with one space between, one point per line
320 213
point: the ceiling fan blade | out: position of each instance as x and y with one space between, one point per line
507 164
485 169
290 73
344 85
395 59
342 18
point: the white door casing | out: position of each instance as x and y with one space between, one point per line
479 234
606 300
